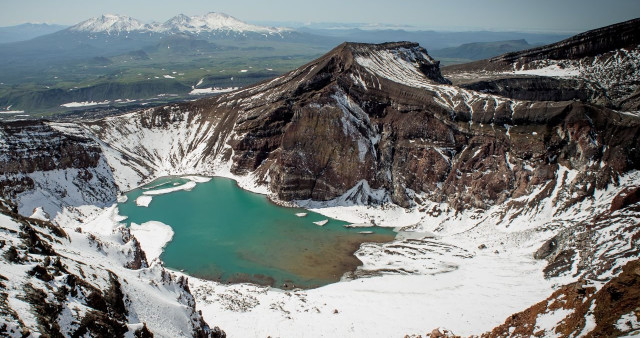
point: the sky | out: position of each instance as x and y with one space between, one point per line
496 15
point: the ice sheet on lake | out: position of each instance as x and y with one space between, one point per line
143 201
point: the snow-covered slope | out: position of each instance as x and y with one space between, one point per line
159 142
91 280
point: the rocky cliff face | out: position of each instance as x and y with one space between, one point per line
383 114
379 117
56 168
591 43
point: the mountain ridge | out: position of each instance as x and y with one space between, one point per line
600 66
27 31
481 50
590 43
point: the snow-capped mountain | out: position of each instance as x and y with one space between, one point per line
212 22
500 201
110 24
208 23
110 35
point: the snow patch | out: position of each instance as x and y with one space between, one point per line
628 322
197 179
548 320
553 70
40 214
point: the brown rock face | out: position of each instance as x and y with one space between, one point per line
316 132
625 198
47 149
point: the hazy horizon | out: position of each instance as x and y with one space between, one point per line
568 16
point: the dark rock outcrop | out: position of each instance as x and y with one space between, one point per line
72 165
625 198
536 89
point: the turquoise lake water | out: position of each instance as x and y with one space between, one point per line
228 234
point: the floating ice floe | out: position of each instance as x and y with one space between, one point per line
358 225
143 201
124 101
321 223
187 186
301 214
197 179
